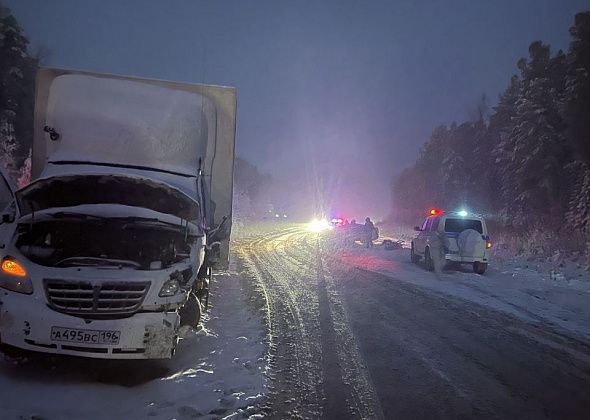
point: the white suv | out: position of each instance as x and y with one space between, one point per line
459 237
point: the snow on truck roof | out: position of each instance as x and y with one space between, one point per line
127 122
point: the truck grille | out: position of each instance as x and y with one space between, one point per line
107 298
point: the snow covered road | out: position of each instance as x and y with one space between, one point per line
218 371
341 332
358 333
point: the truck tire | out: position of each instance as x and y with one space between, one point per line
413 257
428 263
190 313
479 267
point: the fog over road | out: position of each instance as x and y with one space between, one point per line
351 343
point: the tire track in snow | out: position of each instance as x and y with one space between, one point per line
362 398
292 350
328 376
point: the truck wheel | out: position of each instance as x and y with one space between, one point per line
479 267
190 313
413 257
428 260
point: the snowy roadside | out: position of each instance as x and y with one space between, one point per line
217 372
518 289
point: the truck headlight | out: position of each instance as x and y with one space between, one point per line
14 277
171 287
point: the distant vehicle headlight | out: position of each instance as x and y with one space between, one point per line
318 225
14 277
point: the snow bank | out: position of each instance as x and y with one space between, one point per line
519 289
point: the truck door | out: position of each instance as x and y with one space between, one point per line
7 207
6 191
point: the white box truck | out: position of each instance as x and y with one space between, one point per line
108 251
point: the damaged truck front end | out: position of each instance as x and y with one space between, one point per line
110 249
100 266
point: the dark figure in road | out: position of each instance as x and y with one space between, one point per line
369 229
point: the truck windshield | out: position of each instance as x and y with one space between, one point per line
459 225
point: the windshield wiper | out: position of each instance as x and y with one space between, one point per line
63 214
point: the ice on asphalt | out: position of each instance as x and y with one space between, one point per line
510 286
218 371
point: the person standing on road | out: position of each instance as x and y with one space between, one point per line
369 229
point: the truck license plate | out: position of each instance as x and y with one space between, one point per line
72 335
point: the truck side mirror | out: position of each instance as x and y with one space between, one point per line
7 218
417 229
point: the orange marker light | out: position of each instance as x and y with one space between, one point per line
13 268
434 212
488 245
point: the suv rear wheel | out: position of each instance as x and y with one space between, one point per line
479 267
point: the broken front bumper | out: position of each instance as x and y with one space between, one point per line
27 323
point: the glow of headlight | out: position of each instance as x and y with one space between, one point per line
319 225
463 213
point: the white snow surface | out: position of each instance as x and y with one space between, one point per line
127 122
520 288
218 371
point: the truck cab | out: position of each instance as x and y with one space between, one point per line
106 253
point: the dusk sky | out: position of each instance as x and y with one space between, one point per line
351 88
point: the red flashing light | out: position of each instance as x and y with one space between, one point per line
434 212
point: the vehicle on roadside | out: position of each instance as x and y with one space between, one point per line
459 237
339 221
353 232
110 249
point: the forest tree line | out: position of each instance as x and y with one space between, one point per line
524 165
17 97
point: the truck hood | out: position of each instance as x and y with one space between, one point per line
110 211
125 190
